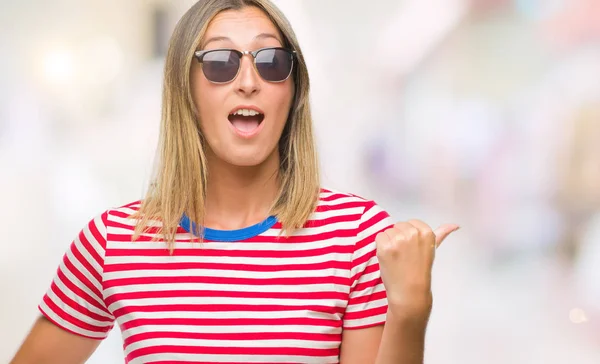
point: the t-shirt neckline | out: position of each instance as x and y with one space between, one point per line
230 235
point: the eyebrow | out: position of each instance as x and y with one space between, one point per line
258 37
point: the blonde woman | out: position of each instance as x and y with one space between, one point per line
237 255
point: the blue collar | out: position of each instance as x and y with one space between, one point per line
231 235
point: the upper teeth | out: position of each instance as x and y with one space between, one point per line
246 112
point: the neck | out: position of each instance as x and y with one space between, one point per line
238 197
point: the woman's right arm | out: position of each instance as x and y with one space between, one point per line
74 317
49 344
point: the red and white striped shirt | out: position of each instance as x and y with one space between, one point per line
241 296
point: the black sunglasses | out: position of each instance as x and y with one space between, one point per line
223 65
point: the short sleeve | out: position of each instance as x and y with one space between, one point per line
74 300
367 303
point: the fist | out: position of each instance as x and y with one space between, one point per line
406 252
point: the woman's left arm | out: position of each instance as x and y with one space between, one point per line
405 253
400 341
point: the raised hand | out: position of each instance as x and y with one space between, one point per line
406 253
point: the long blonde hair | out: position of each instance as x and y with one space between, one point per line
179 186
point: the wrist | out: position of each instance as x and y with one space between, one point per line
415 322
414 310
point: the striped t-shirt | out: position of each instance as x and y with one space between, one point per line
240 296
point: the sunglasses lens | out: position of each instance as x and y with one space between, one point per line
274 65
221 65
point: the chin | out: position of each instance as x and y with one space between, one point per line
245 159
246 162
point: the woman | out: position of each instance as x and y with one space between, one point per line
281 270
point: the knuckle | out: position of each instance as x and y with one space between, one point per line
400 225
380 237
428 234
395 234
387 250
414 232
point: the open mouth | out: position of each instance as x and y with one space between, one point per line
246 120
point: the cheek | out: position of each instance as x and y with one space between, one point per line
196 88
291 94
284 102
204 99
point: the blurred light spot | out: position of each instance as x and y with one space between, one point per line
101 61
58 66
538 9
418 30
577 316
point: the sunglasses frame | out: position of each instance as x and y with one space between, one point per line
199 55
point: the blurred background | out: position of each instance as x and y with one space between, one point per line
485 113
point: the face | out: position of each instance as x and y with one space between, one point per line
236 139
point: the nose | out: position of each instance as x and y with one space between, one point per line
248 81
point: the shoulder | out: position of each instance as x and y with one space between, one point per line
126 212
367 213
332 199
118 224
89 246
119 216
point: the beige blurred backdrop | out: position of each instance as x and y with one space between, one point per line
485 113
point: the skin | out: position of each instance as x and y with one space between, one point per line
242 172
406 253
49 344
240 189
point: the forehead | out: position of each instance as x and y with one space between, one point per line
241 26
